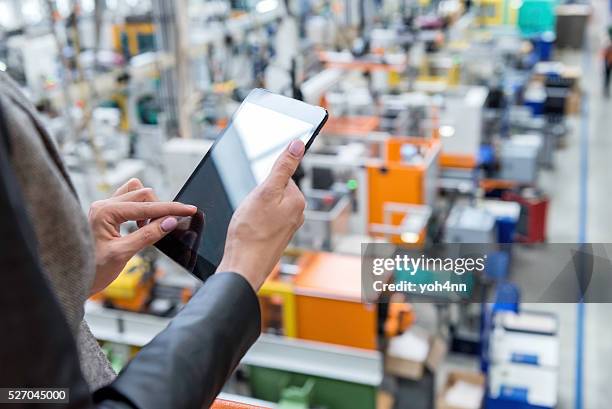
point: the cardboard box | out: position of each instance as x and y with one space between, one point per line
573 103
454 377
434 350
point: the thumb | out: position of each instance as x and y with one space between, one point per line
149 234
286 164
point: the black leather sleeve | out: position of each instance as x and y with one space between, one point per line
187 364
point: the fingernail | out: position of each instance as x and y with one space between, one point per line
169 224
192 208
296 148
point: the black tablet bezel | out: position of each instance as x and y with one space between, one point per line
317 116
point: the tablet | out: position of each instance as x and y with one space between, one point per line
240 159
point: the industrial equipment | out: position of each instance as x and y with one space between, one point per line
506 215
461 121
135 36
400 316
407 114
328 302
325 218
524 356
520 158
496 12
131 290
36 60
534 213
322 375
180 157
443 115
467 224
407 176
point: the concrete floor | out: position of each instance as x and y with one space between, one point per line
564 217
598 332
563 184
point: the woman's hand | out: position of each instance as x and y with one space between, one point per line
131 201
265 222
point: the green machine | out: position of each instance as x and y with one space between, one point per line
301 374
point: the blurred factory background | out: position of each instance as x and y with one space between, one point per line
464 121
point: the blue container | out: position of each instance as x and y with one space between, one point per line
507 298
486 155
500 403
496 267
543 46
535 97
537 107
506 227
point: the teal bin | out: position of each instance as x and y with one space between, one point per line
537 17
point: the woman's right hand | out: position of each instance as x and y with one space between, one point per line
265 222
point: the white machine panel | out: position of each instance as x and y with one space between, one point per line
462 111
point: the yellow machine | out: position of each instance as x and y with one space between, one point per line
496 12
322 302
278 312
131 290
438 73
135 36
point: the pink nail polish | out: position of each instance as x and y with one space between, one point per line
169 224
296 148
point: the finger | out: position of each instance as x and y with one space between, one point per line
132 184
144 194
124 211
285 165
148 235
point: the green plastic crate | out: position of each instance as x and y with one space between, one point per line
268 384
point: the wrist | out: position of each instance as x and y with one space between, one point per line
230 264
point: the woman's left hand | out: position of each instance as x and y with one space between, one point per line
131 201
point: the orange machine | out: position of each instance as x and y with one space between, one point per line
328 301
455 160
366 65
400 316
397 182
351 125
